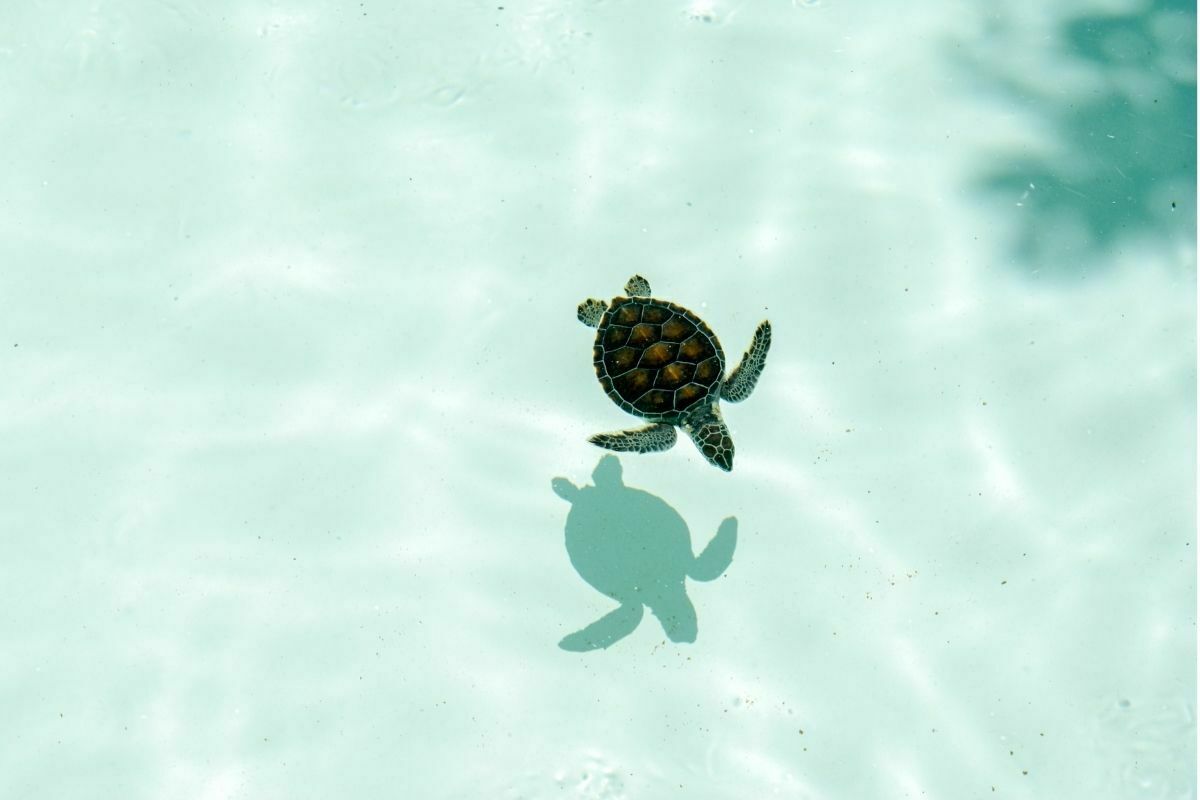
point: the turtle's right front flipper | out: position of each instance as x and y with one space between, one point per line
740 382
606 631
650 439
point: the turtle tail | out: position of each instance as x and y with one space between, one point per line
718 555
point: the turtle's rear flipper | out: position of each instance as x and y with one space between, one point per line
590 311
740 382
718 555
637 286
650 439
606 631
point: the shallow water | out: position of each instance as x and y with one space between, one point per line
291 360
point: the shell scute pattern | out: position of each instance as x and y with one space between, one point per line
674 375
656 314
696 348
655 358
615 336
618 362
676 329
658 355
643 334
690 393
708 370
628 314
657 400
633 383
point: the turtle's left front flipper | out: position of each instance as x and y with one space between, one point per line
740 382
650 439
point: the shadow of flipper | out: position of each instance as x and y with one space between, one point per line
606 631
718 555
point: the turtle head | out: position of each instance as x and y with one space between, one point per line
607 474
710 434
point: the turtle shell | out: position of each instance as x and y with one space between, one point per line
656 359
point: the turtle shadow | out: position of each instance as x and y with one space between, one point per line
635 548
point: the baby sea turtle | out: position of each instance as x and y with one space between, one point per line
661 362
636 549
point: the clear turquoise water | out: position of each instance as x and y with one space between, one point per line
287 296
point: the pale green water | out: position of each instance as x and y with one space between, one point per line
290 358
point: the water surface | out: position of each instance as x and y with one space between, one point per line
290 359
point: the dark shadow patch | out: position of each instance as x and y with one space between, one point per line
1124 165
